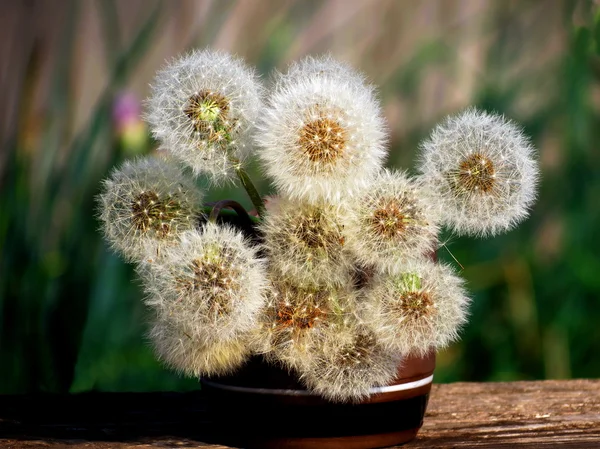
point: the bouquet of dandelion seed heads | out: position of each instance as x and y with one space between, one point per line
341 286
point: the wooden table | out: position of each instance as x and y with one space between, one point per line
540 414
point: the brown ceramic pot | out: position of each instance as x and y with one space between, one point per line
263 406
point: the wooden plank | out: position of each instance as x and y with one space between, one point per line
540 414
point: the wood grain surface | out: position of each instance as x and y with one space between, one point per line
540 414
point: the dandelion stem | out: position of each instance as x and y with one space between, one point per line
251 190
246 221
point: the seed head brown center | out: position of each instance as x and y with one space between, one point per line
415 304
391 218
298 317
313 232
477 174
322 140
150 212
300 309
216 279
358 351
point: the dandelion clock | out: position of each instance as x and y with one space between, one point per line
316 322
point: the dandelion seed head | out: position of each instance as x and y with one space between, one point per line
349 362
483 170
213 283
182 350
295 317
394 220
203 107
322 134
304 242
419 309
145 205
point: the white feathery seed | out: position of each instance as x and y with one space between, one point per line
417 310
145 205
213 284
394 220
322 134
304 243
320 66
202 108
348 363
483 170
191 356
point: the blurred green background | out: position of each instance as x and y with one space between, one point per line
74 74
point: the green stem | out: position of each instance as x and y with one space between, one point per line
257 201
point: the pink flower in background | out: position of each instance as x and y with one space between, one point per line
126 109
130 129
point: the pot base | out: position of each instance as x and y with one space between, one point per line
267 408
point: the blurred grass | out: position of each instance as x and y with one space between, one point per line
70 311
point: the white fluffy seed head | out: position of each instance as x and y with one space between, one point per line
145 205
191 356
322 135
304 243
394 220
483 169
295 318
348 363
322 66
212 284
419 309
202 108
